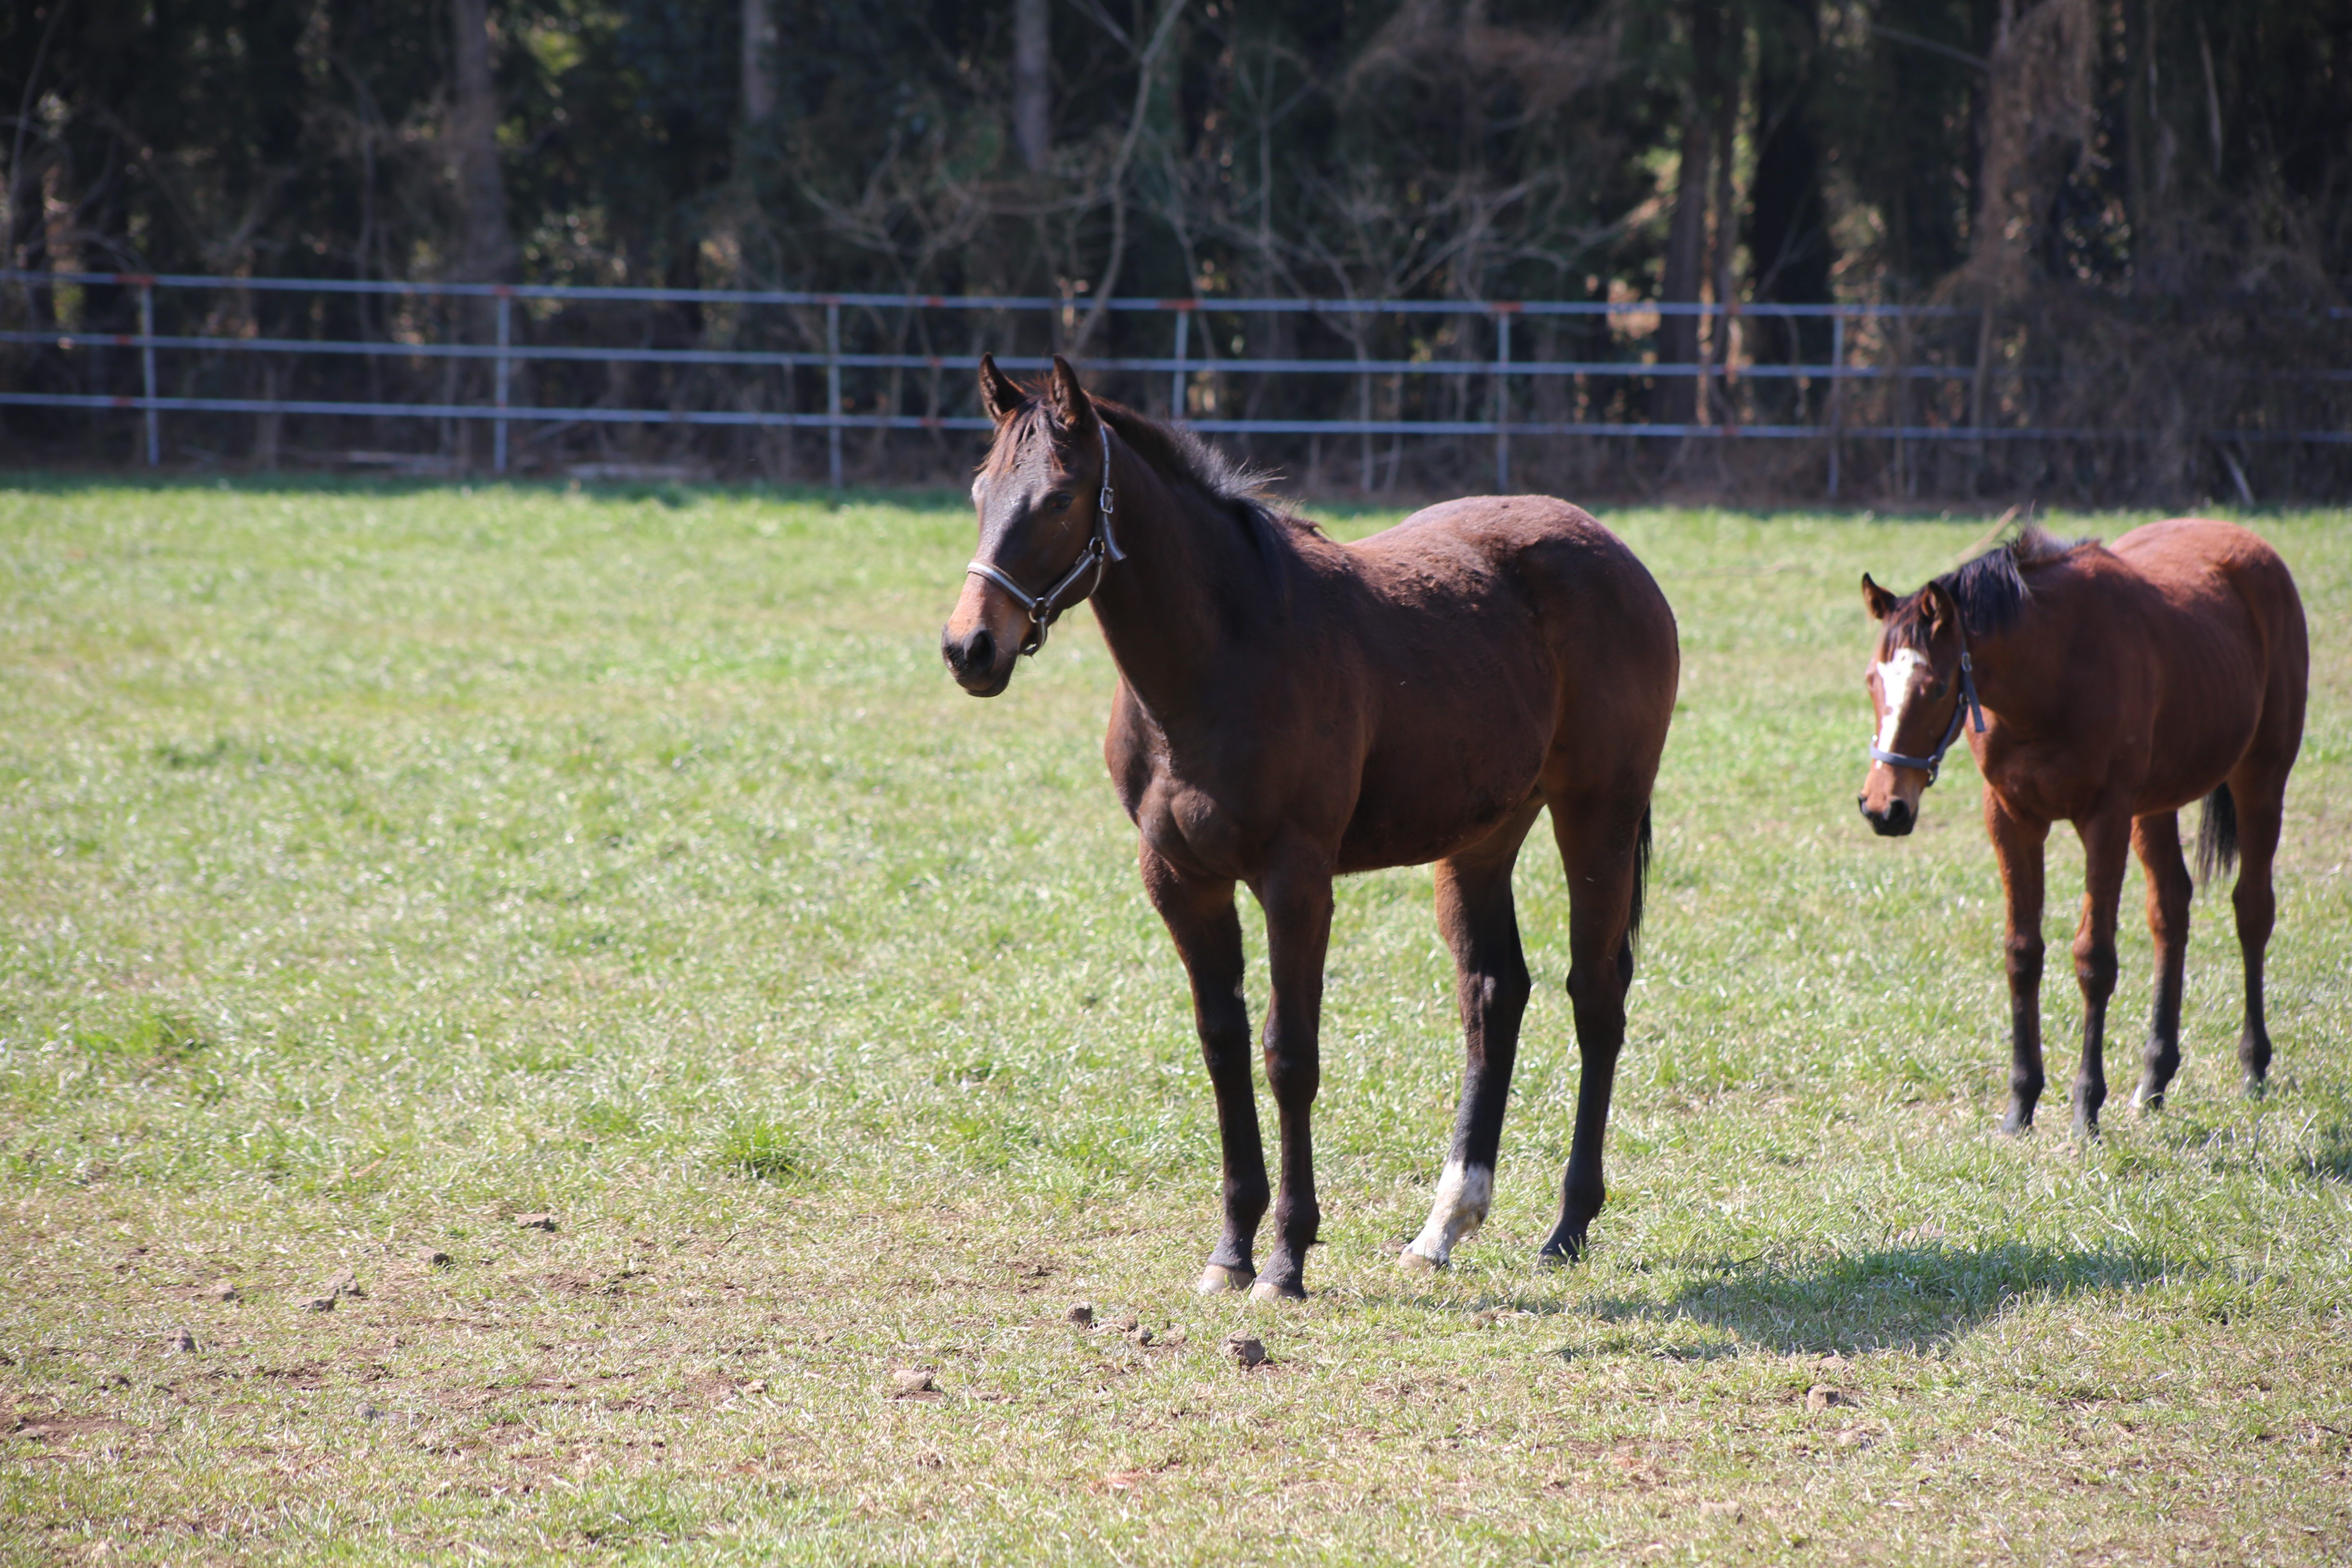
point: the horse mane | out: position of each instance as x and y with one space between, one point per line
1182 457
1990 590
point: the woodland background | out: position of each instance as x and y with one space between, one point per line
2145 204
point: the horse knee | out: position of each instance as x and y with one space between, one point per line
1598 1003
2256 909
2021 956
2094 968
1502 994
1291 1076
1224 1048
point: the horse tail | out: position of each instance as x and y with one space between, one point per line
2217 835
1640 887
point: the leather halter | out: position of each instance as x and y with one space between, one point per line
1964 706
1101 549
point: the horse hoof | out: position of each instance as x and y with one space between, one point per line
1560 1251
1217 1277
1413 1262
2148 1101
2256 1087
2015 1126
1267 1290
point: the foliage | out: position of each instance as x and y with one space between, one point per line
2161 178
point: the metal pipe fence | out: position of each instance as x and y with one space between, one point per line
66 314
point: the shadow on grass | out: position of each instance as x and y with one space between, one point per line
2331 1157
1898 1297
1914 1298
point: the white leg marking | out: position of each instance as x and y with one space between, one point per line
1463 1193
1895 689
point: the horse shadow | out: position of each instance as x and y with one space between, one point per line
1913 1296
2331 1155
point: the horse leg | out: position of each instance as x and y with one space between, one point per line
1200 916
1601 850
1490 984
2107 852
2156 837
2261 803
1297 895
2017 850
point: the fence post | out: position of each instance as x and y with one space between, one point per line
1502 399
832 390
506 337
1837 393
1176 376
147 368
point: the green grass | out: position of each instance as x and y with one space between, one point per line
377 865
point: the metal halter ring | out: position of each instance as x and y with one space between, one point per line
1101 548
1966 707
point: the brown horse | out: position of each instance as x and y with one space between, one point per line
1290 709
2107 688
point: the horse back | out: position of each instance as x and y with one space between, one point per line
2219 579
1552 591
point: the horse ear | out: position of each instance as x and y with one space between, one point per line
1071 405
1937 608
1882 603
997 392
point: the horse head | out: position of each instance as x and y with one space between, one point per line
1922 690
1045 512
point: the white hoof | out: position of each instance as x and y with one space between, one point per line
1263 1290
1216 1277
1419 1262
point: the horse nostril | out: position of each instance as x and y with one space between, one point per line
980 651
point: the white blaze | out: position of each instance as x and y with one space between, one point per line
1464 1194
1895 678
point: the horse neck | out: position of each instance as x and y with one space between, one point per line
2016 667
1161 609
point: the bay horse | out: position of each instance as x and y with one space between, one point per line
1290 709
2107 687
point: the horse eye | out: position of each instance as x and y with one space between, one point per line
1059 500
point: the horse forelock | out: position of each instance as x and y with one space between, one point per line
1991 592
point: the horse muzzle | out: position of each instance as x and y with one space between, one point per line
982 641
1892 820
979 663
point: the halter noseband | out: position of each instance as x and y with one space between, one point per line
1102 548
1966 706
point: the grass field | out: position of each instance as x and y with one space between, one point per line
378 866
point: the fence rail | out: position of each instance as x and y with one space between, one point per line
1712 377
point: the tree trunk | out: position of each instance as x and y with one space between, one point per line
2038 114
1033 60
759 47
1788 247
485 252
1675 399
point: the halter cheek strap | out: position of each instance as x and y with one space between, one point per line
1101 549
1966 707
